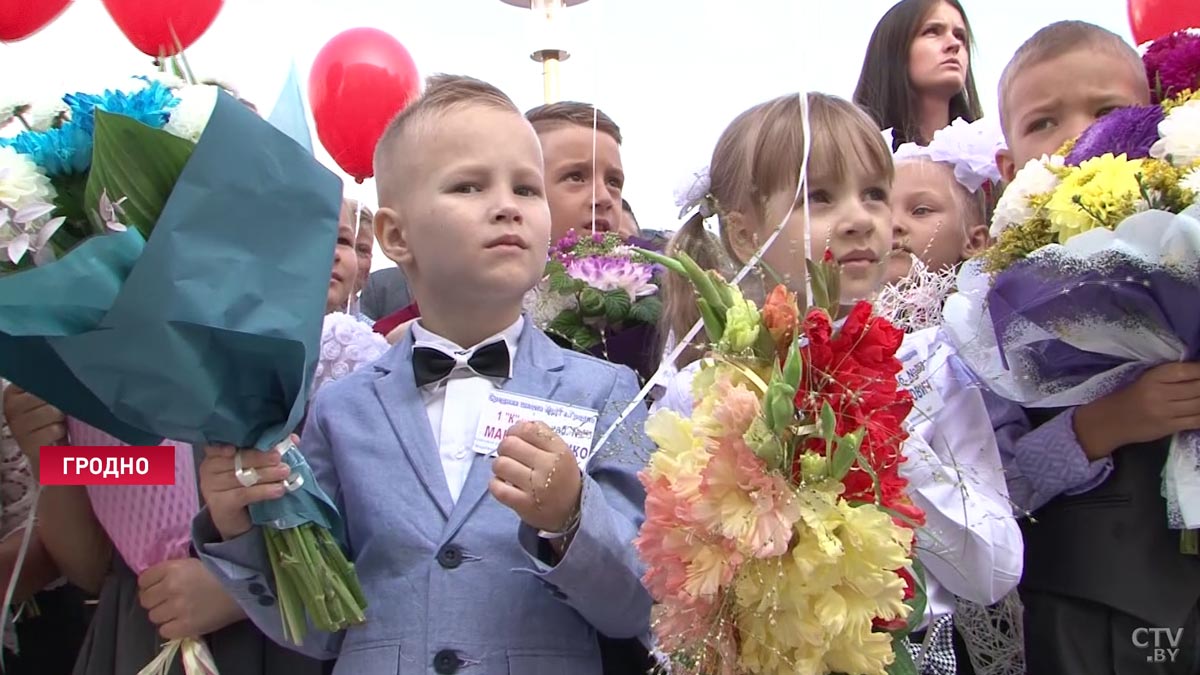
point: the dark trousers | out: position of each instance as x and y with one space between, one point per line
50 641
625 657
1068 636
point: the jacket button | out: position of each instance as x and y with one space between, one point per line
446 662
257 588
266 600
450 556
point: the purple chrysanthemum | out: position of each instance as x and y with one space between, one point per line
608 273
1173 64
1125 131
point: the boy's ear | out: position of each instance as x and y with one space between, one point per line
976 241
1006 165
392 235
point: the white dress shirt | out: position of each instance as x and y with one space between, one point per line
454 404
971 545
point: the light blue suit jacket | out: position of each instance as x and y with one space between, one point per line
459 587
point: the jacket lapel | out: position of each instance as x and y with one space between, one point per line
536 372
402 403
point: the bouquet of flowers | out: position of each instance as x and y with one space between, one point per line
166 254
1095 276
599 296
778 533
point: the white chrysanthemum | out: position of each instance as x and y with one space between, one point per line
8 110
21 183
191 115
42 115
1033 179
1191 181
1179 135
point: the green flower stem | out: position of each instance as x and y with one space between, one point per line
333 554
313 576
291 609
705 286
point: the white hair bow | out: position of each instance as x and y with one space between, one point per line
695 193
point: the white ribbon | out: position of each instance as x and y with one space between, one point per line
197 659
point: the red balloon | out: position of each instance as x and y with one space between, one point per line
1152 19
148 24
360 80
21 18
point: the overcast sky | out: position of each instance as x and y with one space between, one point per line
672 73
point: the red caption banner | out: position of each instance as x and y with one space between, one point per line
107 465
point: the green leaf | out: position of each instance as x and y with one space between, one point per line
591 302
713 325
919 599
565 324
845 454
903 664
584 338
780 406
792 367
646 310
70 199
138 163
616 305
828 422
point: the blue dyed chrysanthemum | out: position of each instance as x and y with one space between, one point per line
150 105
68 149
58 152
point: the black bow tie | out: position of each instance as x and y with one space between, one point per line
433 365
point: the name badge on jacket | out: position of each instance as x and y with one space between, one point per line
574 424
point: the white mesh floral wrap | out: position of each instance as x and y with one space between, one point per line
915 302
346 344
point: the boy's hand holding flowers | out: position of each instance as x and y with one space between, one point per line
1163 401
538 478
225 495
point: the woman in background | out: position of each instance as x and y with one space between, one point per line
916 76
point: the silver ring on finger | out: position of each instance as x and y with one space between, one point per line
247 477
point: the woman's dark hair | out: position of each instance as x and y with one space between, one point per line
884 89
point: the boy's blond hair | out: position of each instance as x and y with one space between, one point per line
572 113
353 206
443 93
1058 39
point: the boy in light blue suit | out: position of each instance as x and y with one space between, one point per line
470 564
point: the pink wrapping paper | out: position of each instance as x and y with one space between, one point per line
148 524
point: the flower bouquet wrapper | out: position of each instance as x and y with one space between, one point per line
1074 322
210 333
148 525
